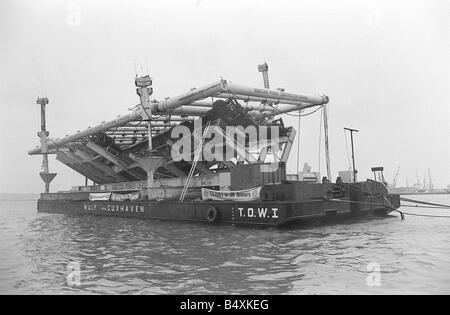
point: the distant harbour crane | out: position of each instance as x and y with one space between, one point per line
394 181
418 180
430 182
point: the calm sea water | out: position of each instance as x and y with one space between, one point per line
130 256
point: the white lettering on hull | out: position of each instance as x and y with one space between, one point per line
258 213
91 207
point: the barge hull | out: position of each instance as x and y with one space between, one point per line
259 213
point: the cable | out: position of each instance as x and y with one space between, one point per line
392 208
424 202
138 124
425 207
396 210
304 115
426 215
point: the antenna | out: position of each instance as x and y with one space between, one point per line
146 65
430 182
135 68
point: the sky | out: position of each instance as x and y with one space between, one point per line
384 64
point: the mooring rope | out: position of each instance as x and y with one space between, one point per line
425 215
390 206
435 205
424 202
425 207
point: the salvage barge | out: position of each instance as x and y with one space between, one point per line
215 154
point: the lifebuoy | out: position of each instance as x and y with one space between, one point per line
211 214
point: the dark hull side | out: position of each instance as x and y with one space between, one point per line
259 213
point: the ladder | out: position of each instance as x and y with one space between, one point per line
195 162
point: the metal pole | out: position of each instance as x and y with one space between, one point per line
44 138
353 152
353 158
298 143
46 176
149 161
327 149
144 90
264 68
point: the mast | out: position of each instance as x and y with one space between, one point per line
353 152
149 161
264 69
327 149
46 176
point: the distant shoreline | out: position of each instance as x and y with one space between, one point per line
423 194
19 197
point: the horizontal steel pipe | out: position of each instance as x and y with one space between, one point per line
260 99
179 105
273 94
189 97
119 121
191 110
281 109
246 106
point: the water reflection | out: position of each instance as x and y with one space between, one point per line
152 257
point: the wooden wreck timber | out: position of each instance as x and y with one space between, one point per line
135 166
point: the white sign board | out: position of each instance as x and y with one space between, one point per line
239 195
99 196
123 197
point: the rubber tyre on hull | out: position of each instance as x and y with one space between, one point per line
211 215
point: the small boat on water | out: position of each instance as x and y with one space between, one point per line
215 154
